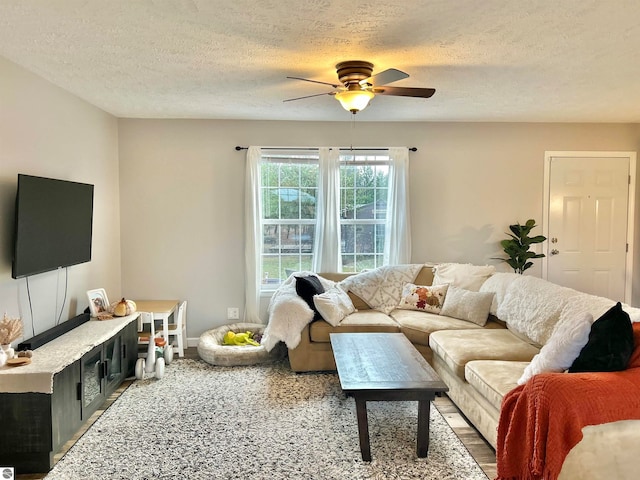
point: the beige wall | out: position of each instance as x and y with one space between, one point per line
45 131
171 192
182 194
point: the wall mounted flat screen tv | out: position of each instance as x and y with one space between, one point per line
53 225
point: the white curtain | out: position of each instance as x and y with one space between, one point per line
327 256
397 247
253 235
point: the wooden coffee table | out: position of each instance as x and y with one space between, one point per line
385 367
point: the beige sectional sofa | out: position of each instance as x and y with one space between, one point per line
479 364
314 351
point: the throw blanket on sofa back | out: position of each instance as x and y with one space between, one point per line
380 288
542 420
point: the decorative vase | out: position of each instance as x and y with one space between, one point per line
8 350
3 358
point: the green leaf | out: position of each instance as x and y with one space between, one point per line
512 263
517 246
517 230
537 239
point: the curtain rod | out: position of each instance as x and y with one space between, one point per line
238 148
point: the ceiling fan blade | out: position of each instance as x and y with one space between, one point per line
309 96
385 77
405 91
314 81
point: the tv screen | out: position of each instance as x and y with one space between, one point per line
54 224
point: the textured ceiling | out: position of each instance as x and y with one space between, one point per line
489 60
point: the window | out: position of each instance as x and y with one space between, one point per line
289 185
363 210
323 210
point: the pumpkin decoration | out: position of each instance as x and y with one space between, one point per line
123 308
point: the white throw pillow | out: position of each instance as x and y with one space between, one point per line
423 298
467 305
463 275
567 340
334 305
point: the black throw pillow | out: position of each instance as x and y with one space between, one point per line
306 288
610 343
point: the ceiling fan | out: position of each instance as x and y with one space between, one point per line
358 85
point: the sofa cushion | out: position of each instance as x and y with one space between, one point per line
458 347
425 298
425 275
493 379
532 307
467 305
463 275
360 321
417 326
610 343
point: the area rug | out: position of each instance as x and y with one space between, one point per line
257 422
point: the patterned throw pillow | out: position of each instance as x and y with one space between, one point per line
423 298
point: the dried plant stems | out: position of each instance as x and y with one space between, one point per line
10 329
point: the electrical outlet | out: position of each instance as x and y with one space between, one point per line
233 313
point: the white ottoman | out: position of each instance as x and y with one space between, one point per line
211 349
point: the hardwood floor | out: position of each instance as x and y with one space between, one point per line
481 451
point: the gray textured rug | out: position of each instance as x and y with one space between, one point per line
258 422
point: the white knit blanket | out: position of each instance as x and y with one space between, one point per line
289 313
532 307
381 288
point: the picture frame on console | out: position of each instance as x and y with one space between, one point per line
98 301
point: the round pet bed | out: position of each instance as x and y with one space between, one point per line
211 349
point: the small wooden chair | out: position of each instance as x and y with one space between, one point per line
178 328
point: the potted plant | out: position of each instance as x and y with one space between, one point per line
517 247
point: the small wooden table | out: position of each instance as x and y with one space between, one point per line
161 310
385 367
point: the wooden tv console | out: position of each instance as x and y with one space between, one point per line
43 404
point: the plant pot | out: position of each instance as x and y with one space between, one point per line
8 350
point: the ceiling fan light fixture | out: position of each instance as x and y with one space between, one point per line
354 100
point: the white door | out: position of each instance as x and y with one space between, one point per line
587 226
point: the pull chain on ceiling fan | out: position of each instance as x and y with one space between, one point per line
358 85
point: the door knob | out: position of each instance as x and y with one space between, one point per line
555 251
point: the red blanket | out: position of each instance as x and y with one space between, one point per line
541 421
